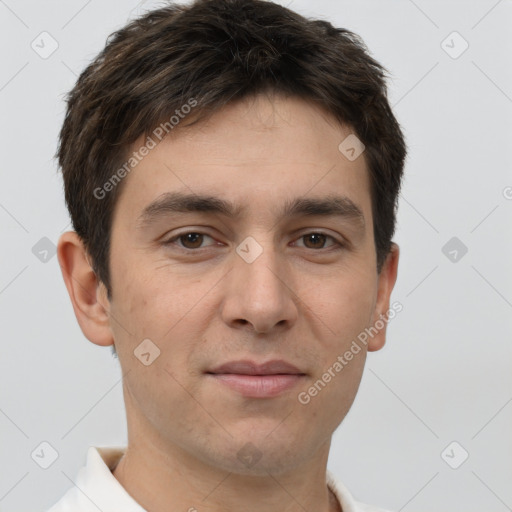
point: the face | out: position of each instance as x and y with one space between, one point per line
259 283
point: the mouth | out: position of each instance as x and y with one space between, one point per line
255 380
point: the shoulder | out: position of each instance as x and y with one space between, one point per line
345 498
363 507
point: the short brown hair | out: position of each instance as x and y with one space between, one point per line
216 52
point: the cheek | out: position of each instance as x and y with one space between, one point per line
152 303
353 312
332 389
341 307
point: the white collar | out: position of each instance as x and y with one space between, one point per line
96 488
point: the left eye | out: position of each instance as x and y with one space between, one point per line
318 240
193 240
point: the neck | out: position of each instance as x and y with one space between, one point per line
160 480
162 473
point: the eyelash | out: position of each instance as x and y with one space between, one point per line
336 246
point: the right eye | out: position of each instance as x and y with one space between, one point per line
189 240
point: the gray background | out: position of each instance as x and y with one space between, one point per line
445 373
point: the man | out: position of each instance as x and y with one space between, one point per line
232 172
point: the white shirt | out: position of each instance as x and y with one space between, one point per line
97 489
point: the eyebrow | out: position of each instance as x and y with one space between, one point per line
178 202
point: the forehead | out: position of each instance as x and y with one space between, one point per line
258 154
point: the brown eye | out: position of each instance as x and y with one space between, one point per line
317 240
194 239
191 240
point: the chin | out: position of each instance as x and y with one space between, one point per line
255 452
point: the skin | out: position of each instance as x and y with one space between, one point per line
297 301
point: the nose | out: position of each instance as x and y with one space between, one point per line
259 293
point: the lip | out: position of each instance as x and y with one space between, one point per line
264 380
247 367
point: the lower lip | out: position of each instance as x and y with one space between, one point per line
258 386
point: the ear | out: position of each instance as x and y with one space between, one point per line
386 282
88 295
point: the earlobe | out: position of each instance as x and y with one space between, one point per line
386 282
84 289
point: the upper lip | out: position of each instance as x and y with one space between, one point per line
246 367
